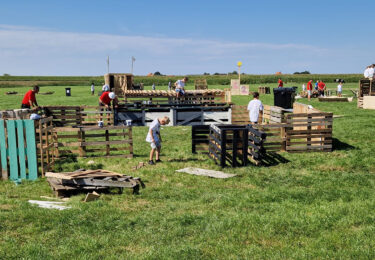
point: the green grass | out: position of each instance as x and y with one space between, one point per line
319 205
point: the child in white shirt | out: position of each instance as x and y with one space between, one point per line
154 138
339 89
254 107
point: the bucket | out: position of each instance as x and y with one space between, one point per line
128 122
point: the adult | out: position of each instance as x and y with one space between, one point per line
106 98
180 86
29 100
371 71
169 85
281 83
309 89
321 88
254 107
366 72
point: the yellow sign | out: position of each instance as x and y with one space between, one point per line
239 64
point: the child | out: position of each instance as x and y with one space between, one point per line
339 90
180 86
254 107
154 138
92 89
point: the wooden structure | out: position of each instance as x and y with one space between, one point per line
256 149
264 90
228 145
119 82
78 115
45 144
200 84
65 184
18 150
94 141
170 96
199 138
369 102
270 115
306 129
183 114
366 88
333 99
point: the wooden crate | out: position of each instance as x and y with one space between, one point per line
366 87
256 150
309 132
200 138
94 141
228 145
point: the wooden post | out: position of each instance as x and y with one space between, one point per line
108 150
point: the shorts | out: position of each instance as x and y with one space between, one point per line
182 92
25 106
309 92
339 92
155 145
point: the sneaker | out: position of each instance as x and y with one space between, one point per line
158 160
151 162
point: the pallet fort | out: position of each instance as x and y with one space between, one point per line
31 146
197 107
233 145
366 91
306 129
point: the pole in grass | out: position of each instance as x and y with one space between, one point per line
239 64
107 64
133 60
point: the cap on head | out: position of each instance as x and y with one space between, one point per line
111 95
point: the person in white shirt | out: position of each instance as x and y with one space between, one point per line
303 87
339 89
371 71
254 107
180 86
154 138
92 89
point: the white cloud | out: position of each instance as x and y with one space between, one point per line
27 50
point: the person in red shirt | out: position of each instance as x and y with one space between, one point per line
280 82
309 89
29 99
321 88
105 100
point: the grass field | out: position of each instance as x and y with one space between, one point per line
318 205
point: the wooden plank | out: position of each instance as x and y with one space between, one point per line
3 151
12 148
32 161
21 148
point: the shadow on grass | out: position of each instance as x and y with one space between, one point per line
273 159
340 146
185 160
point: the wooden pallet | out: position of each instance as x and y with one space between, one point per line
45 144
68 183
200 84
200 138
64 115
94 141
309 132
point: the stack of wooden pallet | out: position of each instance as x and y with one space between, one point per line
170 93
68 183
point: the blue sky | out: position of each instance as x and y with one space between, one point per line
185 37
